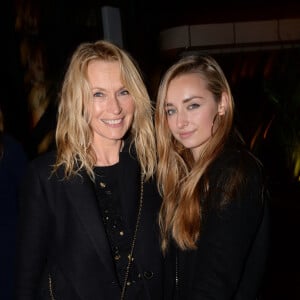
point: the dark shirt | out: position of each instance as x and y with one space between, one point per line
62 235
13 163
114 219
230 261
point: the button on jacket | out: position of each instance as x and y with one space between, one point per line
63 250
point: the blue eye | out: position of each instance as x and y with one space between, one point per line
123 92
193 106
170 112
98 94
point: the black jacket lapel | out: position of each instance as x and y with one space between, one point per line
82 193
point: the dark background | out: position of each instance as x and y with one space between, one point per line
265 84
60 25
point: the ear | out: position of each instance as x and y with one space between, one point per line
222 106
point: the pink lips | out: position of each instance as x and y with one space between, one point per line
185 135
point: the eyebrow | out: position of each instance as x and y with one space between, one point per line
104 90
186 100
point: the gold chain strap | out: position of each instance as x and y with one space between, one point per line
50 287
133 239
131 250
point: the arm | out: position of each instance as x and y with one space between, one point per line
33 235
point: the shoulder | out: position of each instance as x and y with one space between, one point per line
12 147
43 164
236 176
44 160
235 160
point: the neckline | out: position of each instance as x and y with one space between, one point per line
107 166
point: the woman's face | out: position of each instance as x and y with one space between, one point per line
191 109
112 106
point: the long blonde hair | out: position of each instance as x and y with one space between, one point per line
74 135
178 174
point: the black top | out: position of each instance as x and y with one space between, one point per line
114 217
61 235
230 261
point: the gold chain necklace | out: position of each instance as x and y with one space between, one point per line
133 240
130 258
50 285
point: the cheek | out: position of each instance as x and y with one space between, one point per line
97 109
129 106
208 119
210 115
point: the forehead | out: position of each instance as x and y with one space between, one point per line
100 70
192 78
186 85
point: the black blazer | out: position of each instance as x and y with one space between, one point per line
230 261
62 244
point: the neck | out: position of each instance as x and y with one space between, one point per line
108 155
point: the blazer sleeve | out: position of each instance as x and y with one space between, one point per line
33 235
226 242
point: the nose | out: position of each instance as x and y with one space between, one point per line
182 120
113 105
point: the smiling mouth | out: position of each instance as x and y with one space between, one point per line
112 122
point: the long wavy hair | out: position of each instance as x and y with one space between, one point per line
177 173
74 135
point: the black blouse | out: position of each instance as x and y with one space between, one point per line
114 219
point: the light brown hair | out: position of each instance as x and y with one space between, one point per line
178 173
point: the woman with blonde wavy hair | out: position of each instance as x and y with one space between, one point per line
88 210
213 220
